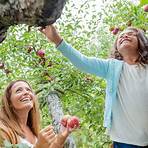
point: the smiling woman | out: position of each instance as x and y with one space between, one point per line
19 109
133 39
22 97
20 122
126 103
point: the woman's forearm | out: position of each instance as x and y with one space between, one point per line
59 141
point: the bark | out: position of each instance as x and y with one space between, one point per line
30 12
56 111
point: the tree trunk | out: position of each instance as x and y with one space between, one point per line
30 12
56 111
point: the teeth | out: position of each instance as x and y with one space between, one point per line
25 99
124 41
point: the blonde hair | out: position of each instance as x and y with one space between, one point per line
9 118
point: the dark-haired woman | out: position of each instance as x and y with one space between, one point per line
126 73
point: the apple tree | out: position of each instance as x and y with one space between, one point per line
26 54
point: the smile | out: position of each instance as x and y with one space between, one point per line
25 99
124 40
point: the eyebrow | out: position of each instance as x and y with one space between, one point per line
126 32
21 88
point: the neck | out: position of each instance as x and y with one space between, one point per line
22 118
130 59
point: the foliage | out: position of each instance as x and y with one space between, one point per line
143 2
125 13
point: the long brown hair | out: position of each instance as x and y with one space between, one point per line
142 47
9 118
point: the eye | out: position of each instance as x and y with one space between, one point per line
130 34
18 90
120 36
28 89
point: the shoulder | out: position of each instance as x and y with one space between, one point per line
6 133
4 130
3 127
115 62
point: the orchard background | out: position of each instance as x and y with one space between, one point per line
91 27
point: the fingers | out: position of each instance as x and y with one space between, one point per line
43 29
52 34
48 133
48 128
51 139
46 136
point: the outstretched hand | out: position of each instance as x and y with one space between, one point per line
51 33
69 124
47 137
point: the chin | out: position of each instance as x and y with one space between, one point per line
126 48
27 107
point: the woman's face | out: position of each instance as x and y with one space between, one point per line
127 42
22 97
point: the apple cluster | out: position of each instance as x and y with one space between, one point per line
115 30
70 121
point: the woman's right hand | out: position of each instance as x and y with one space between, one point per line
45 137
51 33
69 124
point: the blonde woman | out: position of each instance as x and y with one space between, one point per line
20 121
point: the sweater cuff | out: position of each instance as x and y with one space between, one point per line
62 45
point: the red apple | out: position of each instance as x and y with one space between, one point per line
115 31
73 122
145 8
41 53
64 120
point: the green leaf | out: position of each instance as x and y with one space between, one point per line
143 2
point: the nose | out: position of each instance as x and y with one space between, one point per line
125 35
25 92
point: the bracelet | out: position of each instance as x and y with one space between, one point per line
59 43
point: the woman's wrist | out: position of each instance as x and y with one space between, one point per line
37 145
58 42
